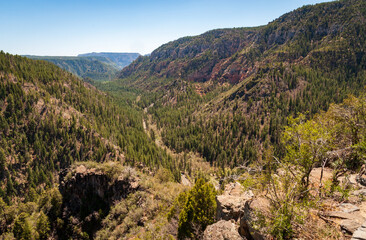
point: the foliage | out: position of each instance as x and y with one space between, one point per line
199 210
43 227
306 143
50 203
98 69
142 214
334 139
226 94
22 228
299 62
50 119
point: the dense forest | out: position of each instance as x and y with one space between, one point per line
50 119
97 69
146 155
227 93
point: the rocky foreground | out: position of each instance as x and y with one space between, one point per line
237 211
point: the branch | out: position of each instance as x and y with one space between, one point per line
278 161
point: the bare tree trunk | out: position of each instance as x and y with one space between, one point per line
321 177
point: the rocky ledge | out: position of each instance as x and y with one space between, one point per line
90 190
234 214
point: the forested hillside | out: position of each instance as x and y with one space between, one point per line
97 69
227 93
256 131
94 66
49 120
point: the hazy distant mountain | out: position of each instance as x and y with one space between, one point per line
120 59
97 66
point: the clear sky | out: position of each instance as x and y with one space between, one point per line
70 27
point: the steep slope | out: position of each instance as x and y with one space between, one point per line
120 60
191 58
50 119
227 93
231 55
51 111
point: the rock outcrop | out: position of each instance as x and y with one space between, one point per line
89 186
234 203
360 233
89 192
222 230
233 213
348 216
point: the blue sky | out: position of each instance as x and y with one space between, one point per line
70 27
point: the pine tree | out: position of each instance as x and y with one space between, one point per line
199 210
2 163
43 226
22 228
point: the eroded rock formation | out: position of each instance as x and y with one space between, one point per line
222 230
88 193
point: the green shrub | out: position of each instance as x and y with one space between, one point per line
199 210
22 228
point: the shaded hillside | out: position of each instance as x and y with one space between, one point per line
95 68
50 119
227 93
120 60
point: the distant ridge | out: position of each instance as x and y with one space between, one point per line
256 77
96 66
120 59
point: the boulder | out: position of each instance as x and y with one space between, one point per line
260 204
360 233
350 217
348 208
222 230
350 225
361 192
345 215
233 203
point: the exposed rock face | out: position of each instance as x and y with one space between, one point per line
88 186
228 55
360 233
87 193
361 192
350 218
350 225
222 230
348 208
234 203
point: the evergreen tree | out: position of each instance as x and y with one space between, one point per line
2 163
199 210
22 230
43 226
